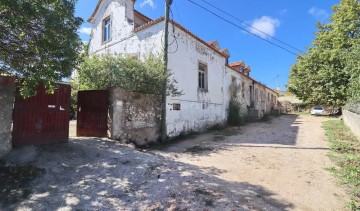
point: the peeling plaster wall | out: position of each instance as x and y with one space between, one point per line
196 110
121 14
199 109
7 97
134 117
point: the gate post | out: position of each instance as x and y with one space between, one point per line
7 96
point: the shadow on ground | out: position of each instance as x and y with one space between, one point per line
99 174
277 132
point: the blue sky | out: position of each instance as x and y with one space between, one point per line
291 21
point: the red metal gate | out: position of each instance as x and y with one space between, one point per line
42 119
92 113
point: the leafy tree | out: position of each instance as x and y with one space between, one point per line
323 74
102 72
38 41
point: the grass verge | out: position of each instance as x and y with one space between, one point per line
345 152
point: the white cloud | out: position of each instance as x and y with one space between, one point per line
264 24
85 30
318 13
149 3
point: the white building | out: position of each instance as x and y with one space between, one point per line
200 68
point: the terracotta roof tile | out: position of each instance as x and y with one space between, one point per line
142 16
246 76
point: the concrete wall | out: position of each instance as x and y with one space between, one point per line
352 120
134 117
7 96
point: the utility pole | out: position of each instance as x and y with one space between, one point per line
166 46
277 81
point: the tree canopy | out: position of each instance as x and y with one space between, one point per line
38 41
328 73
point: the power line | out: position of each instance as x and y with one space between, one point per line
242 28
249 25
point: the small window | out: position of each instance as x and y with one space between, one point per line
106 29
176 106
202 77
243 89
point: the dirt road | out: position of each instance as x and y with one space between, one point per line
275 165
286 156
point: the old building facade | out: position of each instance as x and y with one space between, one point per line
200 68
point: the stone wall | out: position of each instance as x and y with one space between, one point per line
7 96
134 117
352 120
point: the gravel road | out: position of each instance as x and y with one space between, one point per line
275 165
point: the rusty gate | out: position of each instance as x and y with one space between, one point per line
92 113
43 118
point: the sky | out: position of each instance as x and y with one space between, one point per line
288 21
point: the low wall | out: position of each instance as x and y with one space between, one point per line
7 96
352 120
134 117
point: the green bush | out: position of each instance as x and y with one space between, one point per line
234 114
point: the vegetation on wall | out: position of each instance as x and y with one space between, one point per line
235 116
38 41
102 72
345 149
328 74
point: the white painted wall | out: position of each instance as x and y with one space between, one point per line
121 13
199 109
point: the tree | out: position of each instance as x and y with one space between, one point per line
102 72
323 74
38 41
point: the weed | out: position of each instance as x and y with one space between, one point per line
229 132
219 138
202 192
198 149
209 202
345 153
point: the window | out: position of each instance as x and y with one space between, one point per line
106 29
202 77
256 95
176 106
243 89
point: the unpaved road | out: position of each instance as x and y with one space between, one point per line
276 165
287 157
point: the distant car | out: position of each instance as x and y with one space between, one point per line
317 110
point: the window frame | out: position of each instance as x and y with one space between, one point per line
202 84
108 27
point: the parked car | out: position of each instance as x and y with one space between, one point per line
317 110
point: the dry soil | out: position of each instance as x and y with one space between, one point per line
274 165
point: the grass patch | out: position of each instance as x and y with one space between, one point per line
198 149
345 152
219 138
228 132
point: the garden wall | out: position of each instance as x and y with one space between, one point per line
352 120
7 96
134 117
